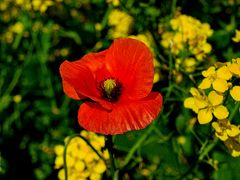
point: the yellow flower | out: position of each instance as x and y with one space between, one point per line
234 67
198 101
237 36
224 129
189 64
120 23
214 107
82 161
17 28
115 3
235 93
206 106
41 6
187 32
233 146
17 98
216 79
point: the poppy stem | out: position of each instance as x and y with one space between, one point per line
109 146
65 152
138 143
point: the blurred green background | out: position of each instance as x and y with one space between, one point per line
36 36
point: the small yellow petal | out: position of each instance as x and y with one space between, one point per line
224 73
220 112
106 154
209 72
235 93
70 161
207 48
235 153
100 167
205 84
222 136
200 103
58 162
95 176
58 149
235 68
190 103
215 98
237 36
216 126
220 85
61 174
194 91
79 165
234 131
204 116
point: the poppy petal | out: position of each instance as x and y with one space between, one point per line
91 60
131 62
133 115
80 78
71 92
94 61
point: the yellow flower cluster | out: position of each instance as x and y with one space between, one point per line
220 80
148 41
82 161
206 106
187 40
14 29
229 134
28 5
36 5
219 83
120 23
115 3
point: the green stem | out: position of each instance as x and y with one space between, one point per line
136 146
174 4
14 81
207 149
109 146
65 152
235 110
196 136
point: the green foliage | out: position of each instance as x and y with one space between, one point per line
35 115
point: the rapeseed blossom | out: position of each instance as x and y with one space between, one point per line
120 24
221 83
82 161
229 134
16 28
187 40
115 3
35 5
235 93
207 106
225 130
218 79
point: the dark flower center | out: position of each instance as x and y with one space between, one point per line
110 89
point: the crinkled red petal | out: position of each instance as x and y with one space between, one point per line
80 78
132 115
131 62
71 92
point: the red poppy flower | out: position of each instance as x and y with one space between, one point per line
116 85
